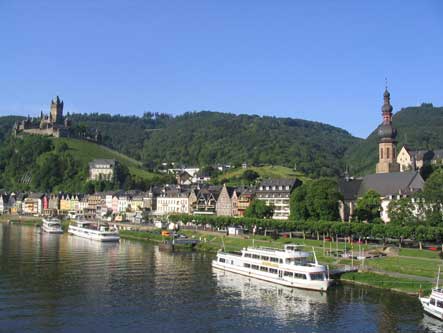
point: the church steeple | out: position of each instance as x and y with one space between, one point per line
387 133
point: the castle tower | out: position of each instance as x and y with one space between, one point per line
56 115
387 161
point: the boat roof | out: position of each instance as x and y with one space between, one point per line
83 222
291 251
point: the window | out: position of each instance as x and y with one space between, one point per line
274 259
272 270
432 301
247 255
264 258
387 152
221 259
440 304
254 267
255 256
289 274
281 261
381 153
263 268
246 265
317 276
299 276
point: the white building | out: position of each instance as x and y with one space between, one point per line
173 200
101 169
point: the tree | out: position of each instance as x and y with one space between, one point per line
318 199
299 209
368 207
259 209
433 198
401 212
250 175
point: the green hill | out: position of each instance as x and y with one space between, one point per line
420 127
205 138
36 163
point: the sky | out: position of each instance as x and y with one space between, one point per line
317 60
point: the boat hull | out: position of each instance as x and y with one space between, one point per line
303 284
51 230
93 235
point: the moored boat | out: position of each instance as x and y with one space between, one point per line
433 304
89 230
291 266
52 226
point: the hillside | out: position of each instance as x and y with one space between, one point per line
46 164
420 127
235 176
205 138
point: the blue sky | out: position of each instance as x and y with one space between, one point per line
317 60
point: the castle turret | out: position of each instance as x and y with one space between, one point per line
56 115
387 134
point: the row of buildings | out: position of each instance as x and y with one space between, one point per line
158 201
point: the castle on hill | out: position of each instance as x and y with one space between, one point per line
54 124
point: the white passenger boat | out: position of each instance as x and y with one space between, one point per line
433 304
290 267
87 229
52 226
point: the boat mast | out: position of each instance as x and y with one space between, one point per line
315 256
438 277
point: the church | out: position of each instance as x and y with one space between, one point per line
54 124
388 181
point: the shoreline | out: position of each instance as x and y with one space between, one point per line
404 286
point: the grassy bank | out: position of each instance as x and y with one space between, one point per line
388 282
24 220
143 235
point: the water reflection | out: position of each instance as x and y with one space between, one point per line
282 302
63 283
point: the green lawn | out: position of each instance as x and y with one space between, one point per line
426 268
421 254
86 151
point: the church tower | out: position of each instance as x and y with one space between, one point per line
387 152
56 115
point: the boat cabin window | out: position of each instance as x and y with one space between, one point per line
263 268
272 270
281 261
255 256
221 259
264 258
300 276
289 274
440 304
254 267
247 265
432 301
274 259
247 255
317 276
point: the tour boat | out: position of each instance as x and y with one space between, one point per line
289 267
52 226
433 304
87 229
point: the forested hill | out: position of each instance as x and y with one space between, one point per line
421 127
204 138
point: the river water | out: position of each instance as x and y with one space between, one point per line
62 283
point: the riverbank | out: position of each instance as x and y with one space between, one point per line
387 272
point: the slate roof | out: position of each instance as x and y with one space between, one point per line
349 188
278 182
101 161
392 183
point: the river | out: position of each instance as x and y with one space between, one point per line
62 283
